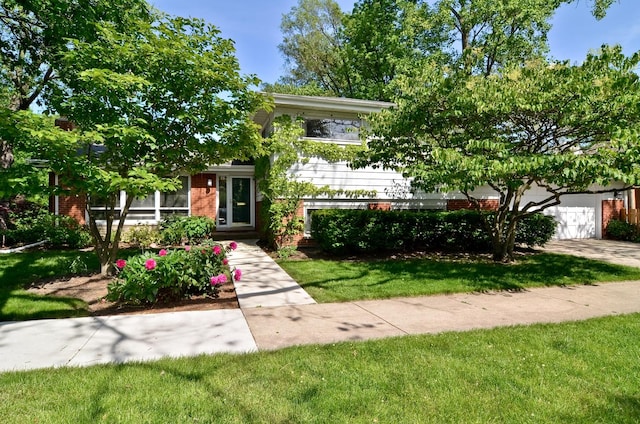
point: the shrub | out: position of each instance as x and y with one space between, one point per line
142 235
177 229
342 231
172 274
535 230
621 230
32 226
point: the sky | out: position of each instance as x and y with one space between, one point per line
254 25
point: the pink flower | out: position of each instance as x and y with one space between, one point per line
233 245
121 263
187 248
225 261
162 252
222 278
214 281
237 274
150 264
217 250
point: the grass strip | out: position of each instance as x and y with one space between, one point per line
341 281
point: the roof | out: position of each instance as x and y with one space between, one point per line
318 103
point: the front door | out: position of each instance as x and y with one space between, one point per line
235 201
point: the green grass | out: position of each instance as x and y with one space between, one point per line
18 270
583 372
339 281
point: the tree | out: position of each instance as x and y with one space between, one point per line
32 36
360 54
311 46
159 100
563 128
378 36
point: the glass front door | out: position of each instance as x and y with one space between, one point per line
235 201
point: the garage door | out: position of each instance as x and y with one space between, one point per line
573 222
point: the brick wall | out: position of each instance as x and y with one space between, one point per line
73 206
610 210
203 197
485 204
380 206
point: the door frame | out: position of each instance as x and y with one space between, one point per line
229 225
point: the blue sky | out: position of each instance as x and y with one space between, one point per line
254 25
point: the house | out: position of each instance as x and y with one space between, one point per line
228 193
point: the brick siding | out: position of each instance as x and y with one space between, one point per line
610 210
485 204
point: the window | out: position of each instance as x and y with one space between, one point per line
335 129
154 207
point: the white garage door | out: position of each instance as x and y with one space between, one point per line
573 222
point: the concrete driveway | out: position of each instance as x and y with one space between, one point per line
617 252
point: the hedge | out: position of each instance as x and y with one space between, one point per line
348 230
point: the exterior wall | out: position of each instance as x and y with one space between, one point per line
485 204
610 210
389 186
73 206
203 197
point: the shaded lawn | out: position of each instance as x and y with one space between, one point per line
19 270
581 372
339 281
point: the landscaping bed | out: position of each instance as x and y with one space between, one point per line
92 289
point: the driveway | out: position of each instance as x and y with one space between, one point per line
617 252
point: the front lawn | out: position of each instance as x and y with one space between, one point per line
18 270
340 281
582 372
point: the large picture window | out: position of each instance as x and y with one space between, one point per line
334 129
154 207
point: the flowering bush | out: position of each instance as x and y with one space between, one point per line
172 274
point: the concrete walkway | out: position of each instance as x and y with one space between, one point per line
275 312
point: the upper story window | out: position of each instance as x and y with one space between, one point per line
334 129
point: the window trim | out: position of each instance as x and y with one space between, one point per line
157 209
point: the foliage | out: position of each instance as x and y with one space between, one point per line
33 37
281 192
351 231
151 103
359 54
173 274
562 128
621 230
311 45
37 225
574 372
397 277
142 235
176 230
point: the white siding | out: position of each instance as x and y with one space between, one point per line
389 186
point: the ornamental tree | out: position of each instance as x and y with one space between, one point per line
33 34
548 124
159 100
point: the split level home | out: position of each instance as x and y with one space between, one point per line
228 193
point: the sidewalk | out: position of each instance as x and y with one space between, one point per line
275 312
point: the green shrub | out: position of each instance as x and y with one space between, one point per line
176 230
621 230
172 274
346 231
535 230
142 235
36 225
